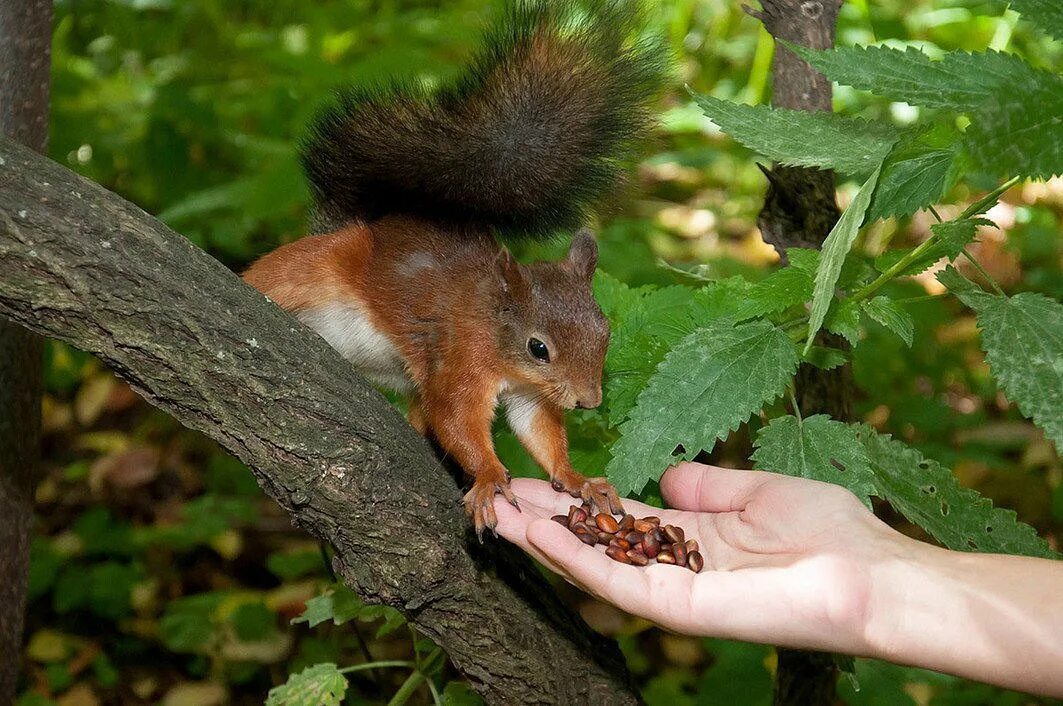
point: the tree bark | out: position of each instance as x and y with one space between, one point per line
25 62
799 211
80 264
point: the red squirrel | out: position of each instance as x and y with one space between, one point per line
409 283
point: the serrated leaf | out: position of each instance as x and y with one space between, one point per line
711 382
832 256
844 320
800 138
954 236
886 312
318 685
891 257
825 358
818 448
916 173
927 493
1021 132
1022 337
1047 15
338 604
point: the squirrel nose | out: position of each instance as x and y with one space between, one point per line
591 399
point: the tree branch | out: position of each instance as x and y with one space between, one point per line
25 63
80 264
799 211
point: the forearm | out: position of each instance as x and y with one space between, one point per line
988 617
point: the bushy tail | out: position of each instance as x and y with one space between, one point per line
535 131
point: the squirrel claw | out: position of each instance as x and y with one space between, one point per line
600 493
479 505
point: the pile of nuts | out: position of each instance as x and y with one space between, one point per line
633 541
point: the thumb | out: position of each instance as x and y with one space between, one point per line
697 487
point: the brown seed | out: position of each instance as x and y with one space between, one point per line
692 546
581 527
679 551
658 534
606 523
627 522
618 554
650 545
673 533
604 538
560 519
633 537
665 557
637 558
557 485
575 515
653 520
695 562
642 526
622 543
587 537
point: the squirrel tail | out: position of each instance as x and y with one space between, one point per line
535 131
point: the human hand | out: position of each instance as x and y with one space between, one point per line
788 561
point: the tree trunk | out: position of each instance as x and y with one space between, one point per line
80 264
799 211
25 52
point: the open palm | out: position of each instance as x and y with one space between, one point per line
787 560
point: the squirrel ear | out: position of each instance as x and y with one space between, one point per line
509 270
583 253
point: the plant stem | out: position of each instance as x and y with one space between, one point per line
982 271
374 665
415 679
793 403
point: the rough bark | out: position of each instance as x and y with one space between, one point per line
25 53
80 264
799 211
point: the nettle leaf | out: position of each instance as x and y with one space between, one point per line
818 448
1022 337
318 685
711 382
891 257
825 358
888 313
844 320
917 172
338 604
927 493
954 236
804 139
1046 14
832 256
959 81
1020 132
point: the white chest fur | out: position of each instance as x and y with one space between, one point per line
347 329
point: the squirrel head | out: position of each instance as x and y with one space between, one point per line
552 333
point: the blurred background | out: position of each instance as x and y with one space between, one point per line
160 572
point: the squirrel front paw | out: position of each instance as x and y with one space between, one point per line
598 492
479 504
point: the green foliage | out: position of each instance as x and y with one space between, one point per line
340 605
825 140
319 685
1045 14
956 235
1023 341
929 495
711 382
888 313
917 172
818 448
835 248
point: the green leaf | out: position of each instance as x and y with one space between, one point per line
954 236
1020 133
818 448
886 312
318 685
832 256
711 382
188 625
825 358
929 495
1022 337
891 257
800 138
1045 14
338 604
253 621
458 693
844 320
916 173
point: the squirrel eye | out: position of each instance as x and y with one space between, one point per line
538 350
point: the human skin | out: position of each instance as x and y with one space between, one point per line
800 563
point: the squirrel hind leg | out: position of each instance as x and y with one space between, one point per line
417 417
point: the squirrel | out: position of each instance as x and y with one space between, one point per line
409 282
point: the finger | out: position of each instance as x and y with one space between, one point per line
695 486
540 493
513 527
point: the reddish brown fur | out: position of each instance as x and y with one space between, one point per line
460 310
